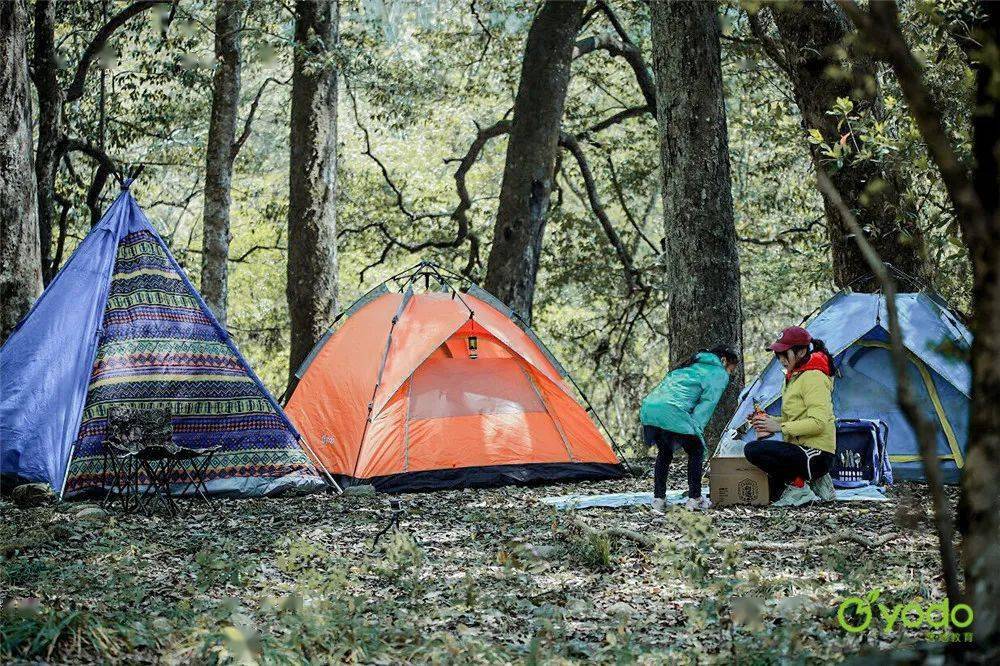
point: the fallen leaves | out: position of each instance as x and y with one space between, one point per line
472 576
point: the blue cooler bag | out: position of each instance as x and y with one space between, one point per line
861 458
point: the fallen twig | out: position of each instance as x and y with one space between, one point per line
621 532
836 537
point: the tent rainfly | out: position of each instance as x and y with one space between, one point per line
442 389
854 327
121 325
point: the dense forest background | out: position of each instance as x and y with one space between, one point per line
637 179
417 82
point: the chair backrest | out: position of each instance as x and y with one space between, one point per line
862 459
133 429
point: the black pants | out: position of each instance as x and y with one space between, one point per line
784 462
665 441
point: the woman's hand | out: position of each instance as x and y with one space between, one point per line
765 424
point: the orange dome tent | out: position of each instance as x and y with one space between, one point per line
442 389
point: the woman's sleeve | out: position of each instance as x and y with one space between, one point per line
707 401
819 407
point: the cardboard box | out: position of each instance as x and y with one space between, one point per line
734 480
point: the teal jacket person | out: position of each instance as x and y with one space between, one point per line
686 398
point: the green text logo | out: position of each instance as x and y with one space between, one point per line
857 614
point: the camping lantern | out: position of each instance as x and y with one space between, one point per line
473 347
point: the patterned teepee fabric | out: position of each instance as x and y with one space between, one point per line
159 349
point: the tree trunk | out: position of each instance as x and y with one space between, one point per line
312 223
20 263
702 260
50 129
813 37
980 514
531 155
219 155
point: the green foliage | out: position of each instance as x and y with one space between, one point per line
28 630
401 562
424 76
592 549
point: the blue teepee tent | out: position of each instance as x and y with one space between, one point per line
122 325
854 328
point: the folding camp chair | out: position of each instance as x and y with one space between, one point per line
118 463
157 463
139 451
193 464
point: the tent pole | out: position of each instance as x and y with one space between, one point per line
597 417
586 399
69 461
300 370
319 466
98 334
444 283
381 369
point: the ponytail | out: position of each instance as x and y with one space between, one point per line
818 347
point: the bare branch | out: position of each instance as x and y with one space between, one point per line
924 428
620 193
619 47
98 155
632 279
65 205
460 213
256 248
397 191
94 193
245 134
623 47
614 119
464 232
484 29
100 40
768 43
781 239
169 19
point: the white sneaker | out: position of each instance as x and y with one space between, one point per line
659 505
698 504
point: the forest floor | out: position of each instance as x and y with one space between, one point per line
475 576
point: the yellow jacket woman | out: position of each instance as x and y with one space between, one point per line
799 463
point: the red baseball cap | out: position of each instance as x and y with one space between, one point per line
793 336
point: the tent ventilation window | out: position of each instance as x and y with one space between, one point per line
473 347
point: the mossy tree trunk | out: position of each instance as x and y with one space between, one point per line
702 259
20 262
824 67
219 154
531 155
980 513
312 219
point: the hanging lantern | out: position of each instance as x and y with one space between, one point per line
473 347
